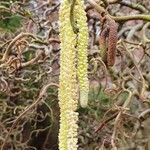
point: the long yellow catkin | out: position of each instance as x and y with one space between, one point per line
73 47
82 44
67 82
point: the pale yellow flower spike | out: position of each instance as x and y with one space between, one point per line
67 82
82 45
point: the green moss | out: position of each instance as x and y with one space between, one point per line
10 23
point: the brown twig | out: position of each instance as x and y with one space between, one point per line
106 121
124 108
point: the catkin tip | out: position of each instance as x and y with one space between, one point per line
83 99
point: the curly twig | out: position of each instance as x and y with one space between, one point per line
11 44
16 121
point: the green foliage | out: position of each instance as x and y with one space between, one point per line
10 23
99 96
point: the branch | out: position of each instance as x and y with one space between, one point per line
134 6
131 5
133 17
100 9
